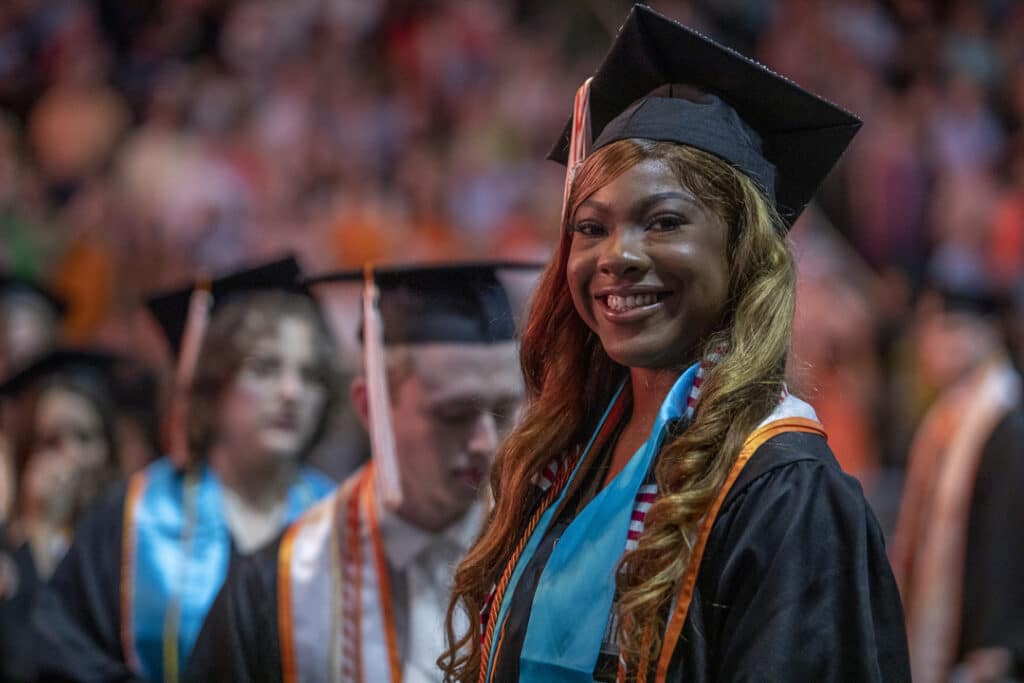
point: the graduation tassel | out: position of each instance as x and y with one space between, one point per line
199 306
382 439
579 142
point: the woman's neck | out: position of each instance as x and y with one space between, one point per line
650 387
260 485
47 544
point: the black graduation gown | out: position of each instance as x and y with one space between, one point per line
993 598
78 614
794 585
240 640
17 639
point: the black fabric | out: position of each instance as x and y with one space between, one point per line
17 593
77 615
171 308
96 365
457 303
794 584
801 135
993 598
240 640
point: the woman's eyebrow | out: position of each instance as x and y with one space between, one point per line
650 201
641 205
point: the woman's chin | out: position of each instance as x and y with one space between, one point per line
276 445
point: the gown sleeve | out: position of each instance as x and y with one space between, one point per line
795 584
239 640
993 605
77 615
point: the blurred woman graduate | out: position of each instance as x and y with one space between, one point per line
146 563
665 510
65 454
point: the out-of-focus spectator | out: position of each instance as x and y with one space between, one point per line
833 361
65 450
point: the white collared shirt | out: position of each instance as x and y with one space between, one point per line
425 561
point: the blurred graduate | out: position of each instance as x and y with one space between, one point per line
65 453
957 550
258 378
357 588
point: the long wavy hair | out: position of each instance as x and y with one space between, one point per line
570 379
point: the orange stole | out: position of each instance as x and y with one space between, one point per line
757 439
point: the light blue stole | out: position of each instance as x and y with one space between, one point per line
574 596
181 547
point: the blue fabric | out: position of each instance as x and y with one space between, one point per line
191 564
574 596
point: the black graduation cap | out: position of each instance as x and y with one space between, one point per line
783 137
451 302
11 284
965 291
171 309
94 364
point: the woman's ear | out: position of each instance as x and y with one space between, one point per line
360 401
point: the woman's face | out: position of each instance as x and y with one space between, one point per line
69 455
273 405
647 268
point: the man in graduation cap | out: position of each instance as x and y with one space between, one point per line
357 589
147 561
957 551
665 510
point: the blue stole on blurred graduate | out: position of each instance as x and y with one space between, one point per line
175 553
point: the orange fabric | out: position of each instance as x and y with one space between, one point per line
284 606
135 488
682 608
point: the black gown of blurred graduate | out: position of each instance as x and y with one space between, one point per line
147 561
26 564
326 604
793 583
958 551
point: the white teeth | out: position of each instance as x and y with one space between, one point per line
626 303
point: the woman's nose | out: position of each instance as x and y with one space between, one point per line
291 383
624 253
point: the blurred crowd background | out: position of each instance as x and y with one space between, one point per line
149 142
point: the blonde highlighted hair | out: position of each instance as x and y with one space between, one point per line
570 379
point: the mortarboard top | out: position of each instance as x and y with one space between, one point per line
11 284
171 309
448 302
98 365
783 137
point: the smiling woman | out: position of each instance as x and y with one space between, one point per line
665 510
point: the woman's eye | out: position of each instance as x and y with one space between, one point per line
263 366
666 223
589 229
